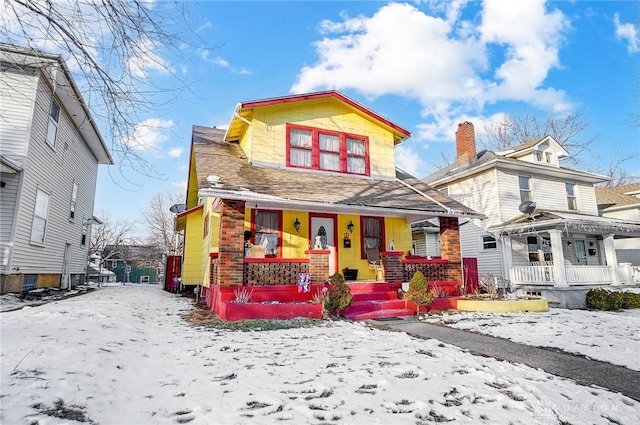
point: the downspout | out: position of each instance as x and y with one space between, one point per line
246 121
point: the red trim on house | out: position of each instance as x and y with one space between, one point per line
335 235
276 260
383 241
213 255
322 95
315 149
190 211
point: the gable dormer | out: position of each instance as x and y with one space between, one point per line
544 150
323 132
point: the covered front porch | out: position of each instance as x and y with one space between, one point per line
562 250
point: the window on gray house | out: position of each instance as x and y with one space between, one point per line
54 116
489 242
571 196
40 214
74 197
525 188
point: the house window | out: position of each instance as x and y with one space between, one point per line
525 188
539 156
144 279
40 213
74 197
532 248
571 196
372 235
489 242
548 157
205 226
267 231
29 282
327 150
539 249
54 116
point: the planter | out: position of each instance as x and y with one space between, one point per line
504 306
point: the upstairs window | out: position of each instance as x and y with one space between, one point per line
525 188
548 157
539 156
40 215
327 150
571 196
267 231
54 116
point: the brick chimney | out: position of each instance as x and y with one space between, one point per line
465 143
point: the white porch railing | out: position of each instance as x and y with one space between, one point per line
576 275
538 275
590 275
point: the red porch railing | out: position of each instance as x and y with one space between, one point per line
273 271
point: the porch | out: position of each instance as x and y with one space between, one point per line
275 294
574 275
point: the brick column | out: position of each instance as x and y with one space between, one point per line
392 266
450 247
231 251
318 265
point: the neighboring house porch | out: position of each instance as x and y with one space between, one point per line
551 249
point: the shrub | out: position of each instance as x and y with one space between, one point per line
338 297
602 299
418 292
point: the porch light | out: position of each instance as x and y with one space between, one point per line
296 224
350 226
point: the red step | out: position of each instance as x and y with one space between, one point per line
366 296
400 312
374 305
362 287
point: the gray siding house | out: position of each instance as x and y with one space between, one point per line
50 149
543 232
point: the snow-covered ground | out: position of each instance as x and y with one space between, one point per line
124 355
609 336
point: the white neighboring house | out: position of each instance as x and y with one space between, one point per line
623 202
542 232
50 148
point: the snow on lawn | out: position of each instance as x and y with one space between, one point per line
124 355
609 336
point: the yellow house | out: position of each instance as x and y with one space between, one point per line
305 185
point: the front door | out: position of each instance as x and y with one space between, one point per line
581 252
323 231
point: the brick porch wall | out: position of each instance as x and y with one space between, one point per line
318 265
392 266
231 253
450 247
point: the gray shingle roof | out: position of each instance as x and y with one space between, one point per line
214 157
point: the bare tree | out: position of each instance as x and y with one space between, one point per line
161 222
568 130
620 176
109 239
115 49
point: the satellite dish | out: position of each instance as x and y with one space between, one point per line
177 208
527 207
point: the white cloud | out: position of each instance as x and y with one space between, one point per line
145 59
223 63
174 152
627 32
451 66
408 160
148 134
181 185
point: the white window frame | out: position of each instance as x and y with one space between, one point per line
487 240
526 190
40 216
54 120
539 155
572 199
74 200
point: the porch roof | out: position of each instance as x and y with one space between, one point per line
223 171
570 221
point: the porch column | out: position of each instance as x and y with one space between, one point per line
392 266
318 265
231 251
450 247
611 257
559 272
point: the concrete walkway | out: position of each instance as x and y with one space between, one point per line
584 371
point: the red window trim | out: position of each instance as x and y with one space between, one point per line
315 149
253 229
363 255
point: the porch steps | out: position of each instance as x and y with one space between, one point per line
372 300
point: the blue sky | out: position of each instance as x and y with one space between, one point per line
425 65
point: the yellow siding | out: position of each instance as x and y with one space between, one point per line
192 195
192 258
268 132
